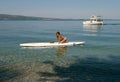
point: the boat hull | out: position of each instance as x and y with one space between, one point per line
92 23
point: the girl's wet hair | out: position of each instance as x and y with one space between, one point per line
57 32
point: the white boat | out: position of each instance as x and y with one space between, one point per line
47 44
94 20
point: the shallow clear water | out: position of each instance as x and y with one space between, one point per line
97 60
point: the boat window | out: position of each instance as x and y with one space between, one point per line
99 20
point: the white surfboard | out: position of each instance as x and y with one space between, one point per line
47 44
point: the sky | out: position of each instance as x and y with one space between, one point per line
62 8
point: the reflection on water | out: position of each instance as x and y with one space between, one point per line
61 51
92 28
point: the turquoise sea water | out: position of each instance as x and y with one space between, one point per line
96 61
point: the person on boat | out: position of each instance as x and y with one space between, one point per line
61 38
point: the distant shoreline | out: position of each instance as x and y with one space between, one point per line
7 17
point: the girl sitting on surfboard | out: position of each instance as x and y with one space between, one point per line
61 38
